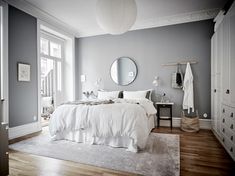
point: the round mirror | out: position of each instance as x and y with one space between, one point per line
123 71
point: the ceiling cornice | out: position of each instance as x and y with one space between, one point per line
177 19
42 15
145 24
168 20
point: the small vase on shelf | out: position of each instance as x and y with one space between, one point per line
163 97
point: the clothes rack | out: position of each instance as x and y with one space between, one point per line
180 63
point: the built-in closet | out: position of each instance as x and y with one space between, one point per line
223 79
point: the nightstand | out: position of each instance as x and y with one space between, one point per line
161 105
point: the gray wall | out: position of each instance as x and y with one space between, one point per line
22 48
150 48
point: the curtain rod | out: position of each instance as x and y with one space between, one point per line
181 63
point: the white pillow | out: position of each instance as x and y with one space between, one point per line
46 101
104 95
135 94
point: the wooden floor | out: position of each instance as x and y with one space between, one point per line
200 155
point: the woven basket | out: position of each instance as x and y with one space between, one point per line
190 124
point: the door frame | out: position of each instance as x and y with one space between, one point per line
4 61
69 54
56 93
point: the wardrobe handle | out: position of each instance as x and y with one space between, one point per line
223 120
231 115
231 149
223 130
227 91
231 127
223 111
231 138
223 139
215 90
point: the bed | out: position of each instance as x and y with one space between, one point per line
118 122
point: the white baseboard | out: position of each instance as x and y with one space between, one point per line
23 130
204 123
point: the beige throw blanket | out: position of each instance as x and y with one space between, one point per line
88 102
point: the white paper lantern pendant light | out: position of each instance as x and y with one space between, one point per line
116 16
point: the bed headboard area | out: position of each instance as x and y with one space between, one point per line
149 49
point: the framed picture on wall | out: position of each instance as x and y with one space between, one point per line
23 72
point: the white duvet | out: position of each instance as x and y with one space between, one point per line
123 118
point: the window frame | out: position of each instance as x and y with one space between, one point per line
56 40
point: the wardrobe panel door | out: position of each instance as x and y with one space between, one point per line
232 55
213 110
213 42
213 49
217 81
224 56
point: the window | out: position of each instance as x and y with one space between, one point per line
52 53
51 48
44 46
55 50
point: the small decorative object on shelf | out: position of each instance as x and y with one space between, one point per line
163 98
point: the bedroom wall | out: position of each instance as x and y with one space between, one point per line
150 48
22 48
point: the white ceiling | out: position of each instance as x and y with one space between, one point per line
79 15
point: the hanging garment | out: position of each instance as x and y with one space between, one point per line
177 78
188 100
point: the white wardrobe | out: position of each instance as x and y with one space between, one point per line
223 80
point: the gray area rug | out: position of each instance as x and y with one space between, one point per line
160 158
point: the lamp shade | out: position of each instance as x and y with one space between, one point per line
156 81
116 16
